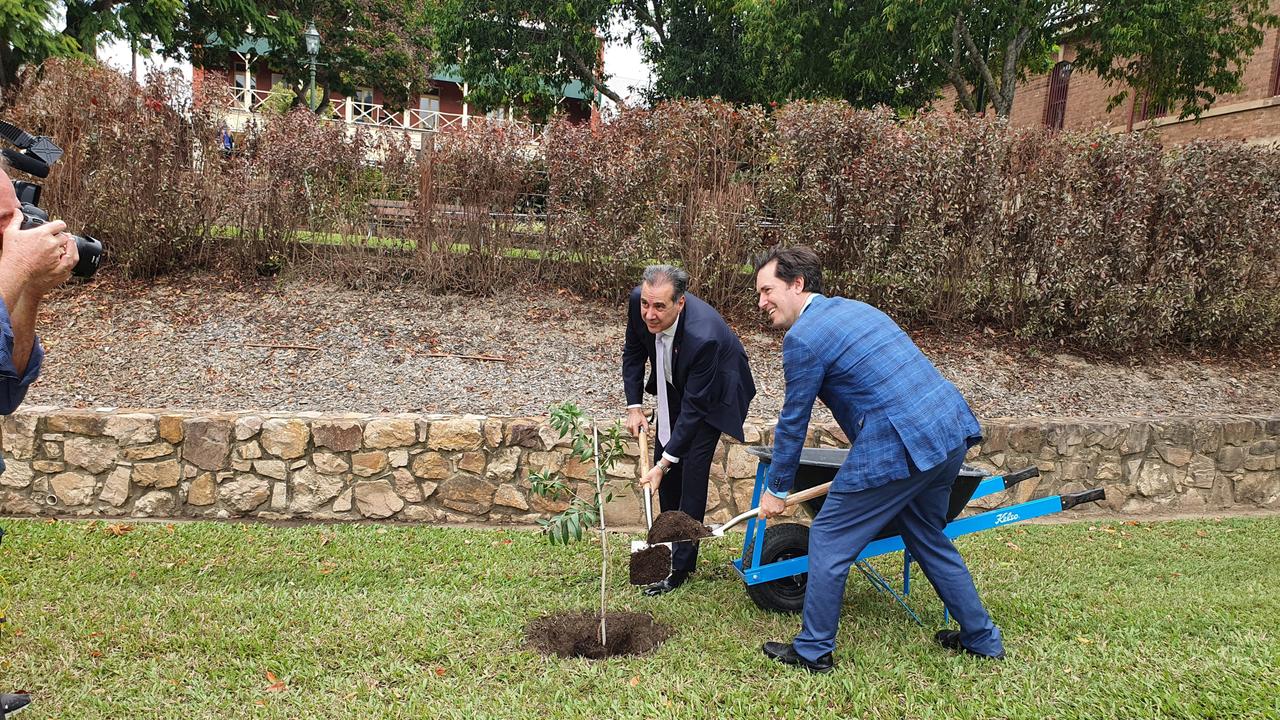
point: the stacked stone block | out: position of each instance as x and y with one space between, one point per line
474 469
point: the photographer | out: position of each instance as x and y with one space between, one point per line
32 262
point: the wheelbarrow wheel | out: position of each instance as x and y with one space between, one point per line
782 541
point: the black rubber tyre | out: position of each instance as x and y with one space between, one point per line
781 542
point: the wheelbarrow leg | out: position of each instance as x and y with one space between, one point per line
906 572
880 583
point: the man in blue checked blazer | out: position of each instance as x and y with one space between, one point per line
909 430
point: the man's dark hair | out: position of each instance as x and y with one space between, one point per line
655 275
794 262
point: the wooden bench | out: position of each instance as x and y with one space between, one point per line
389 215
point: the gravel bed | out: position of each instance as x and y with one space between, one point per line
203 343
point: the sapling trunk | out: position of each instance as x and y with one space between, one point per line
604 553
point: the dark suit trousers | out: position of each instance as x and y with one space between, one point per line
685 489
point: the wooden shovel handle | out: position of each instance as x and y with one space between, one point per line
809 494
792 499
645 458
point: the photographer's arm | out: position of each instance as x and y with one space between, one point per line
32 262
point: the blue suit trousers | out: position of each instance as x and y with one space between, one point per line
849 521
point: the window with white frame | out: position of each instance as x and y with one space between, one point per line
362 99
429 109
241 82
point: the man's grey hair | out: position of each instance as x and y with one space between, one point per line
655 275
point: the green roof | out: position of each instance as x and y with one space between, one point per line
255 46
579 91
575 89
448 73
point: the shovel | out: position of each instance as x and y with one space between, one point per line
649 563
676 519
792 499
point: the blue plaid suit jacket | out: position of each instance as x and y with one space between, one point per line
885 394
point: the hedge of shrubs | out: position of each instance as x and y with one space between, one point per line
1107 240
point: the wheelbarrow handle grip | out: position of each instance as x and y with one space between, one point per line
1014 478
792 499
1070 501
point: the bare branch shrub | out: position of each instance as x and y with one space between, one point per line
1110 241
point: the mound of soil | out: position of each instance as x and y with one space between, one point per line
650 565
674 526
577 634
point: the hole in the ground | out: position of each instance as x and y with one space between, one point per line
577 634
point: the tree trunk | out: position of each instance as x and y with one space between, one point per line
585 72
8 68
78 29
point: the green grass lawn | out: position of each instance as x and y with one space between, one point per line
198 620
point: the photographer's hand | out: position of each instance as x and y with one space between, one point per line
36 260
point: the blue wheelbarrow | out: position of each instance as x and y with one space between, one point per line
774 564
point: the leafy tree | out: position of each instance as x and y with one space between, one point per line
385 43
1179 53
24 36
694 46
380 43
839 49
29 33
524 51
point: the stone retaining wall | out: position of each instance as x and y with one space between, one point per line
435 468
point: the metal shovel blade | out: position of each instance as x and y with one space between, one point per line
641 546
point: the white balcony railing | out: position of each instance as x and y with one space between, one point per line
373 114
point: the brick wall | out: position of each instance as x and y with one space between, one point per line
1247 116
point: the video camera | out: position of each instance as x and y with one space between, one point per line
34 156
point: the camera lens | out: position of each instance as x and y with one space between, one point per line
90 255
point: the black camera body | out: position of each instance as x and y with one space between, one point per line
34 156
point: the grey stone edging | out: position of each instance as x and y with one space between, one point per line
474 469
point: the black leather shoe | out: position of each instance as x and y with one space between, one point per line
786 653
950 639
11 702
673 581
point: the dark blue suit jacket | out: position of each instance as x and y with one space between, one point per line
887 397
709 374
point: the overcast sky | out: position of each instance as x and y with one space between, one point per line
624 63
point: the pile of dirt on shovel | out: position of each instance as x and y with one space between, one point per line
577 634
650 565
674 526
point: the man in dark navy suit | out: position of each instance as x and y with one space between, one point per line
703 387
